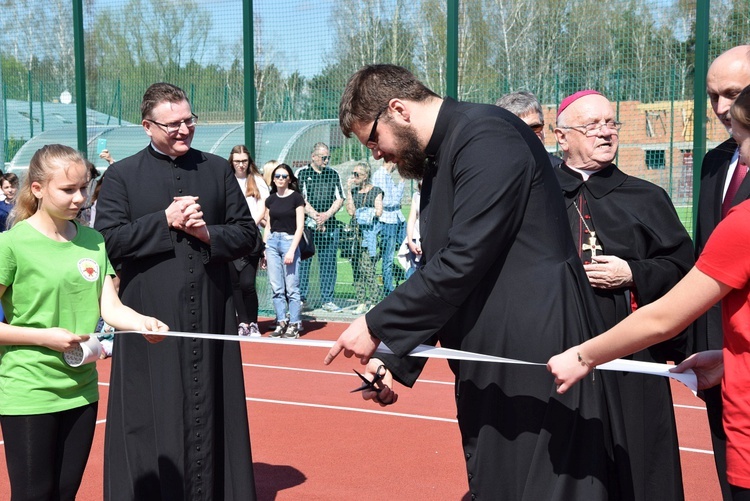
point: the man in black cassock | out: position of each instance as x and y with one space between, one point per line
502 278
634 249
172 217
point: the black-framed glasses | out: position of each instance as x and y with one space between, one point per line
355 174
174 127
280 176
537 128
593 128
325 158
372 143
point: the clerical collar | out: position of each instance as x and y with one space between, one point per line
161 152
585 174
441 126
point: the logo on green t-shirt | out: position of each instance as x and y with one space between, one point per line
89 269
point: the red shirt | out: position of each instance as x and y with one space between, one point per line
726 258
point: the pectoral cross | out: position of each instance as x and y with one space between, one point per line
592 246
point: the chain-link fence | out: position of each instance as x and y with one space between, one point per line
270 74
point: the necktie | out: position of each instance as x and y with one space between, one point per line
734 185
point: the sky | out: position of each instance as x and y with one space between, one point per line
297 32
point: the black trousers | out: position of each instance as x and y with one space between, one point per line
47 453
244 292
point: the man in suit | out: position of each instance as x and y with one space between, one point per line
727 76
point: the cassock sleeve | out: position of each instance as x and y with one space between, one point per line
128 238
235 236
667 253
492 169
669 256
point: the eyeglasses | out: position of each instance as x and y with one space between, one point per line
325 158
241 161
356 174
372 143
537 128
280 176
593 128
174 127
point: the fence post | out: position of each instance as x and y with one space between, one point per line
249 74
31 107
119 102
451 52
699 97
672 97
41 103
80 66
3 119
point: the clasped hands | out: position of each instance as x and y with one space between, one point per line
185 214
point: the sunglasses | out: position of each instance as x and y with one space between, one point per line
356 174
280 176
372 142
537 128
325 158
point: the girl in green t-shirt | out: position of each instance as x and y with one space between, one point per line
55 281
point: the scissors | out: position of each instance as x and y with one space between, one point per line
370 385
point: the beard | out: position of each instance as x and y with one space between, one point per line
411 163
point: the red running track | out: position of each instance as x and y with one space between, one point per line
313 440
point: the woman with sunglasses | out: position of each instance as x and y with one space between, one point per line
364 202
242 271
285 213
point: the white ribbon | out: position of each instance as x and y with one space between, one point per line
688 378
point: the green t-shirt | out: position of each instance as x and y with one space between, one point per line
49 284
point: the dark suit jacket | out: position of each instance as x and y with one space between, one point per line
707 331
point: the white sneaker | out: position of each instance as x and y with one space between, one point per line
361 309
280 329
254 331
291 332
331 306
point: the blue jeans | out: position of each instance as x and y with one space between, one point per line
283 277
326 248
391 236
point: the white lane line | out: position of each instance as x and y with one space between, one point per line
351 409
696 407
323 371
699 451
